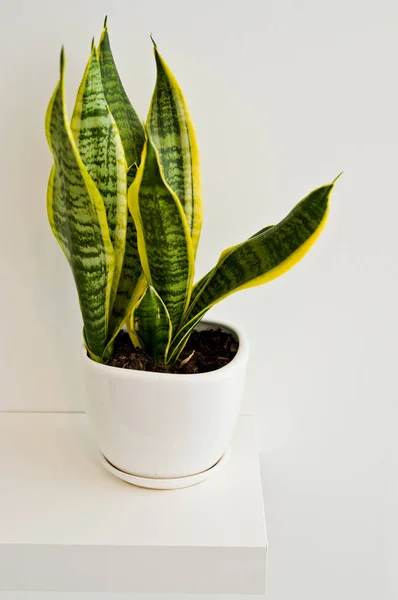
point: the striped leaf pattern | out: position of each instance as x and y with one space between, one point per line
265 256
129 124
133 137
125 205
164 242
269 253
131 283
198 287
171 130
151 323
100 147
78 219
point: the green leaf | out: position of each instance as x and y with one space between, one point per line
131 283
172 133
269 253
129 125
100 147
133 138
164 242
77 217
201 284
151 323
265 256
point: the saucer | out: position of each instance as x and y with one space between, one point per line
175 483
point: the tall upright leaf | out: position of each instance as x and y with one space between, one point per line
151 323
127 120
164 242
265 256
133 137
172 132
77 217
100 147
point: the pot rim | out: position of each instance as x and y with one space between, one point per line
241 356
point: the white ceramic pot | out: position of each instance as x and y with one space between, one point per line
161 425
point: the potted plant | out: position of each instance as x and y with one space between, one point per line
162 388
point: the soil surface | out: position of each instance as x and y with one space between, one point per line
205 351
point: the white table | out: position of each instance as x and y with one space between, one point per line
66 525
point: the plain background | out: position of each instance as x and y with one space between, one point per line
284 95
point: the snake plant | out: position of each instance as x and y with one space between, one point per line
124 202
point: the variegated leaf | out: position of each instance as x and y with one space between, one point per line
100 147
172 133
164 242
129 124
133 137
265 256
151 323
77 216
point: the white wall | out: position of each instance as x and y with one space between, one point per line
284 95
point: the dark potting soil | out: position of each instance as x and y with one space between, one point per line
205 351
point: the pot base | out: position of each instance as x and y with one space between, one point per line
165 484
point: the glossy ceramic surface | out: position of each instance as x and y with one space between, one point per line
164 426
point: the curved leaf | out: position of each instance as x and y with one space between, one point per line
164 243
263 257
151 323
100 147
77 217
269 253
201 284
172 132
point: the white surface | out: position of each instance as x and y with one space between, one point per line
161 425
105 596
68 525
310 88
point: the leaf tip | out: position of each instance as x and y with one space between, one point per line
92 44
104 39
62 60
153 41
338 177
